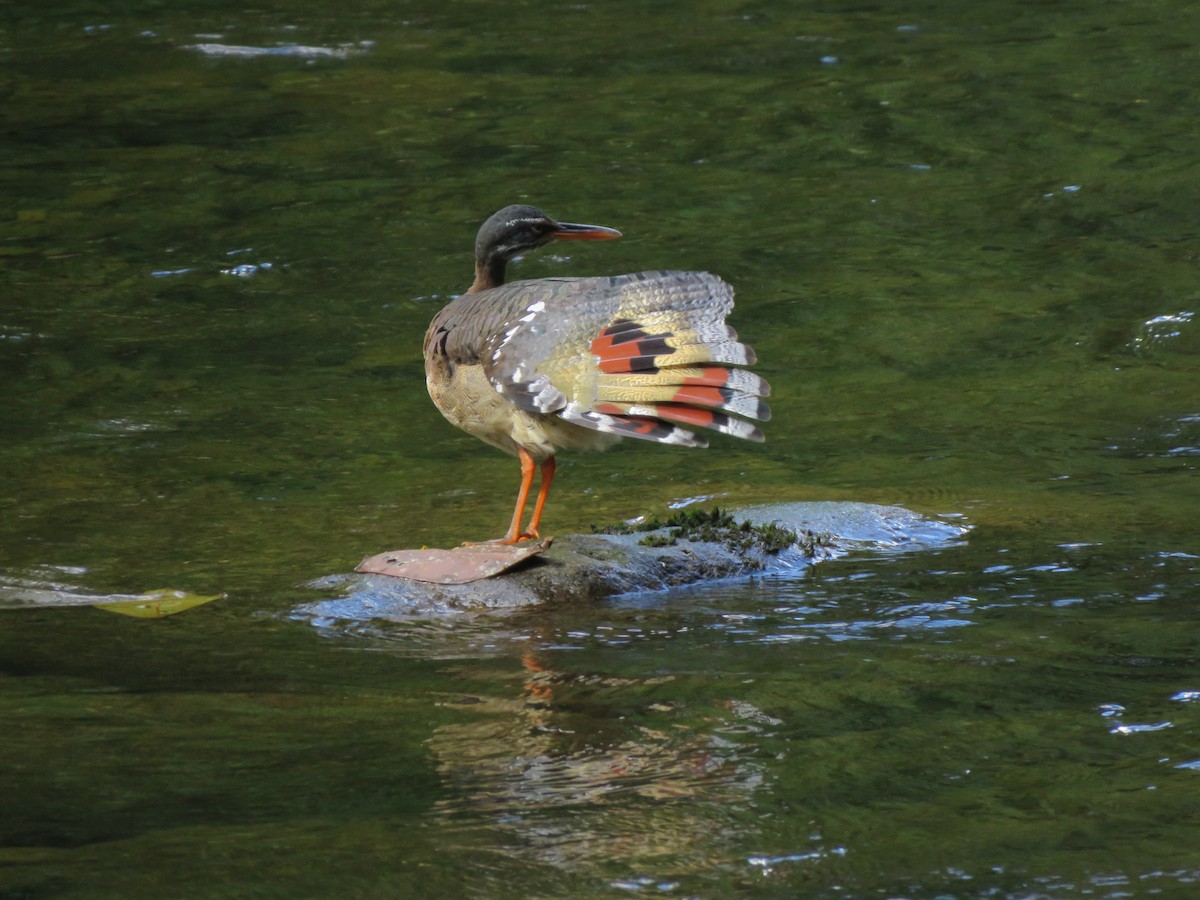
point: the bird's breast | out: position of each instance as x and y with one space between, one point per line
468 400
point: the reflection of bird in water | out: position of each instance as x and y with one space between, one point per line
589 768
534 367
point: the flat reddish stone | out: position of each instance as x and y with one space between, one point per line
458 565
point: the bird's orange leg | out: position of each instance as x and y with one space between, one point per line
514 529
548 467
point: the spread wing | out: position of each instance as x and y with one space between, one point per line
637 355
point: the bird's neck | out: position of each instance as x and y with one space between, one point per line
489 273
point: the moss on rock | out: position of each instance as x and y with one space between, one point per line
717 526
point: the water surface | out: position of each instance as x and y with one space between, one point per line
965 247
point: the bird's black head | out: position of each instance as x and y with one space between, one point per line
518 229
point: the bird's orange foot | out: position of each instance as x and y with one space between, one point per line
507 541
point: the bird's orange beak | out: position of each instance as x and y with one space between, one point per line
569 231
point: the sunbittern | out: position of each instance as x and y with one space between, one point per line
534 367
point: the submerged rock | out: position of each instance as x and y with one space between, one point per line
779 539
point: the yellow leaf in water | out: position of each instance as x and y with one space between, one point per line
156 604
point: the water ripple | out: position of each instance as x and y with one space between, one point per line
238 51
1158 331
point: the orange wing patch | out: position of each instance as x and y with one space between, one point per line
636 426
624 346
702 395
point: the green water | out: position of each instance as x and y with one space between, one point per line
965 244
